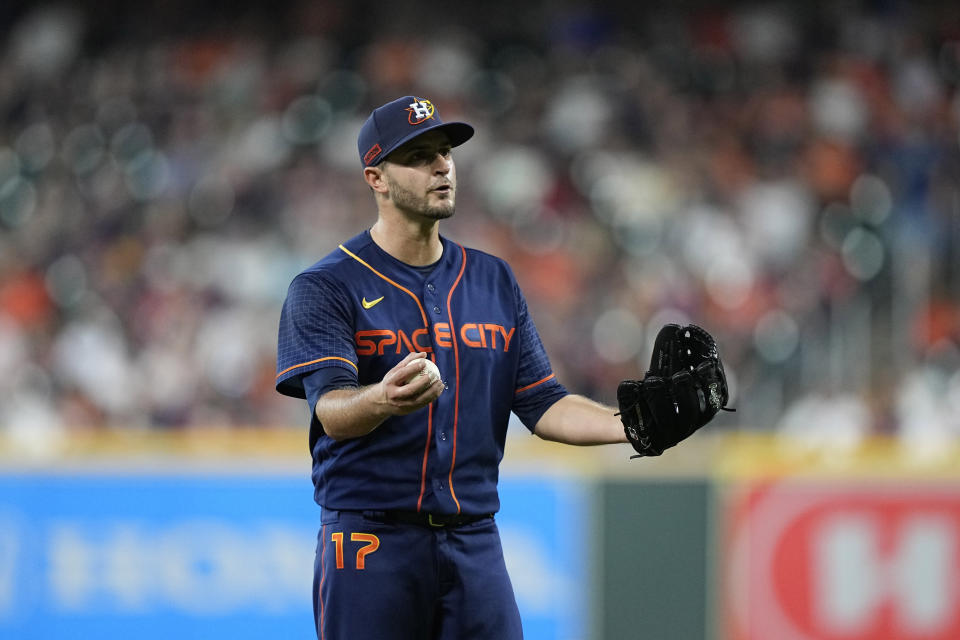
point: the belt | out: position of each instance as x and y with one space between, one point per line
429 520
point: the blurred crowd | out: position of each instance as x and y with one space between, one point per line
785 175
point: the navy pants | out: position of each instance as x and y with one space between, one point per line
407 582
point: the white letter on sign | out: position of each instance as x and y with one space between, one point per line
853 579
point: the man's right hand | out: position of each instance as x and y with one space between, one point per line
404 391
351 413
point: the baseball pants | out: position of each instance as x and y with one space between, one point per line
393 581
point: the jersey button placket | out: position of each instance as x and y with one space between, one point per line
442 438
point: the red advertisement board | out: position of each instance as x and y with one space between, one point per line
842 560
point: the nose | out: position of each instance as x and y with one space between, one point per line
441 164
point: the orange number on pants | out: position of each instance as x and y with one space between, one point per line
373 543
337 538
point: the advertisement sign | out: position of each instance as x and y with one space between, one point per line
155 556
844 560
117 556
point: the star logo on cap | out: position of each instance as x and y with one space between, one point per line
419 111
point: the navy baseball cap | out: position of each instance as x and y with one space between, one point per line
400 121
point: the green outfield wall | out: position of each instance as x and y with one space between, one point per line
651 567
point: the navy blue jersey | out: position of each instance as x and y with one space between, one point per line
363 311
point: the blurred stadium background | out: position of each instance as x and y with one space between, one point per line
785 174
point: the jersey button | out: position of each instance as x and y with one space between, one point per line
436 309
443 435
431 288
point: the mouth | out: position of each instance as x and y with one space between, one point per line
443 188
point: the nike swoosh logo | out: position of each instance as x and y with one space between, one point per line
372 303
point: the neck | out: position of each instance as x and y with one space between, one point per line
416 244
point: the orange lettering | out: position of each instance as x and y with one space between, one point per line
467 341
390 339
507 337
367 347
493 329
403 340
441 335
476 335
417 334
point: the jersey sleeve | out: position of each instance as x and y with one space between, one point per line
316 331
537 386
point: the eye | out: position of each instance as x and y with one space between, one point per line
419 156
424 156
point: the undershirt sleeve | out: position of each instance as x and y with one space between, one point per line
319 382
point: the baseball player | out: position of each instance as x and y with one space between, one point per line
412 350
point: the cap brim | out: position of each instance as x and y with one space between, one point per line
457 133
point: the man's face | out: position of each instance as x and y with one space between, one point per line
421 177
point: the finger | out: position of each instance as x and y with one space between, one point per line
406 368
431 393
411 357
425 397
415 386
409 373
408 386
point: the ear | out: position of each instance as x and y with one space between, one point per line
375 180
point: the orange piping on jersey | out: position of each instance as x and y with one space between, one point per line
531 386
423 314
426 453
456 362
303 364
323 574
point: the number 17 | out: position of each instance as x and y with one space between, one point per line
373 543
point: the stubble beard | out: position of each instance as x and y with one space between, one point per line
412 204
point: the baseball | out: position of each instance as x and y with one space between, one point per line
429 369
